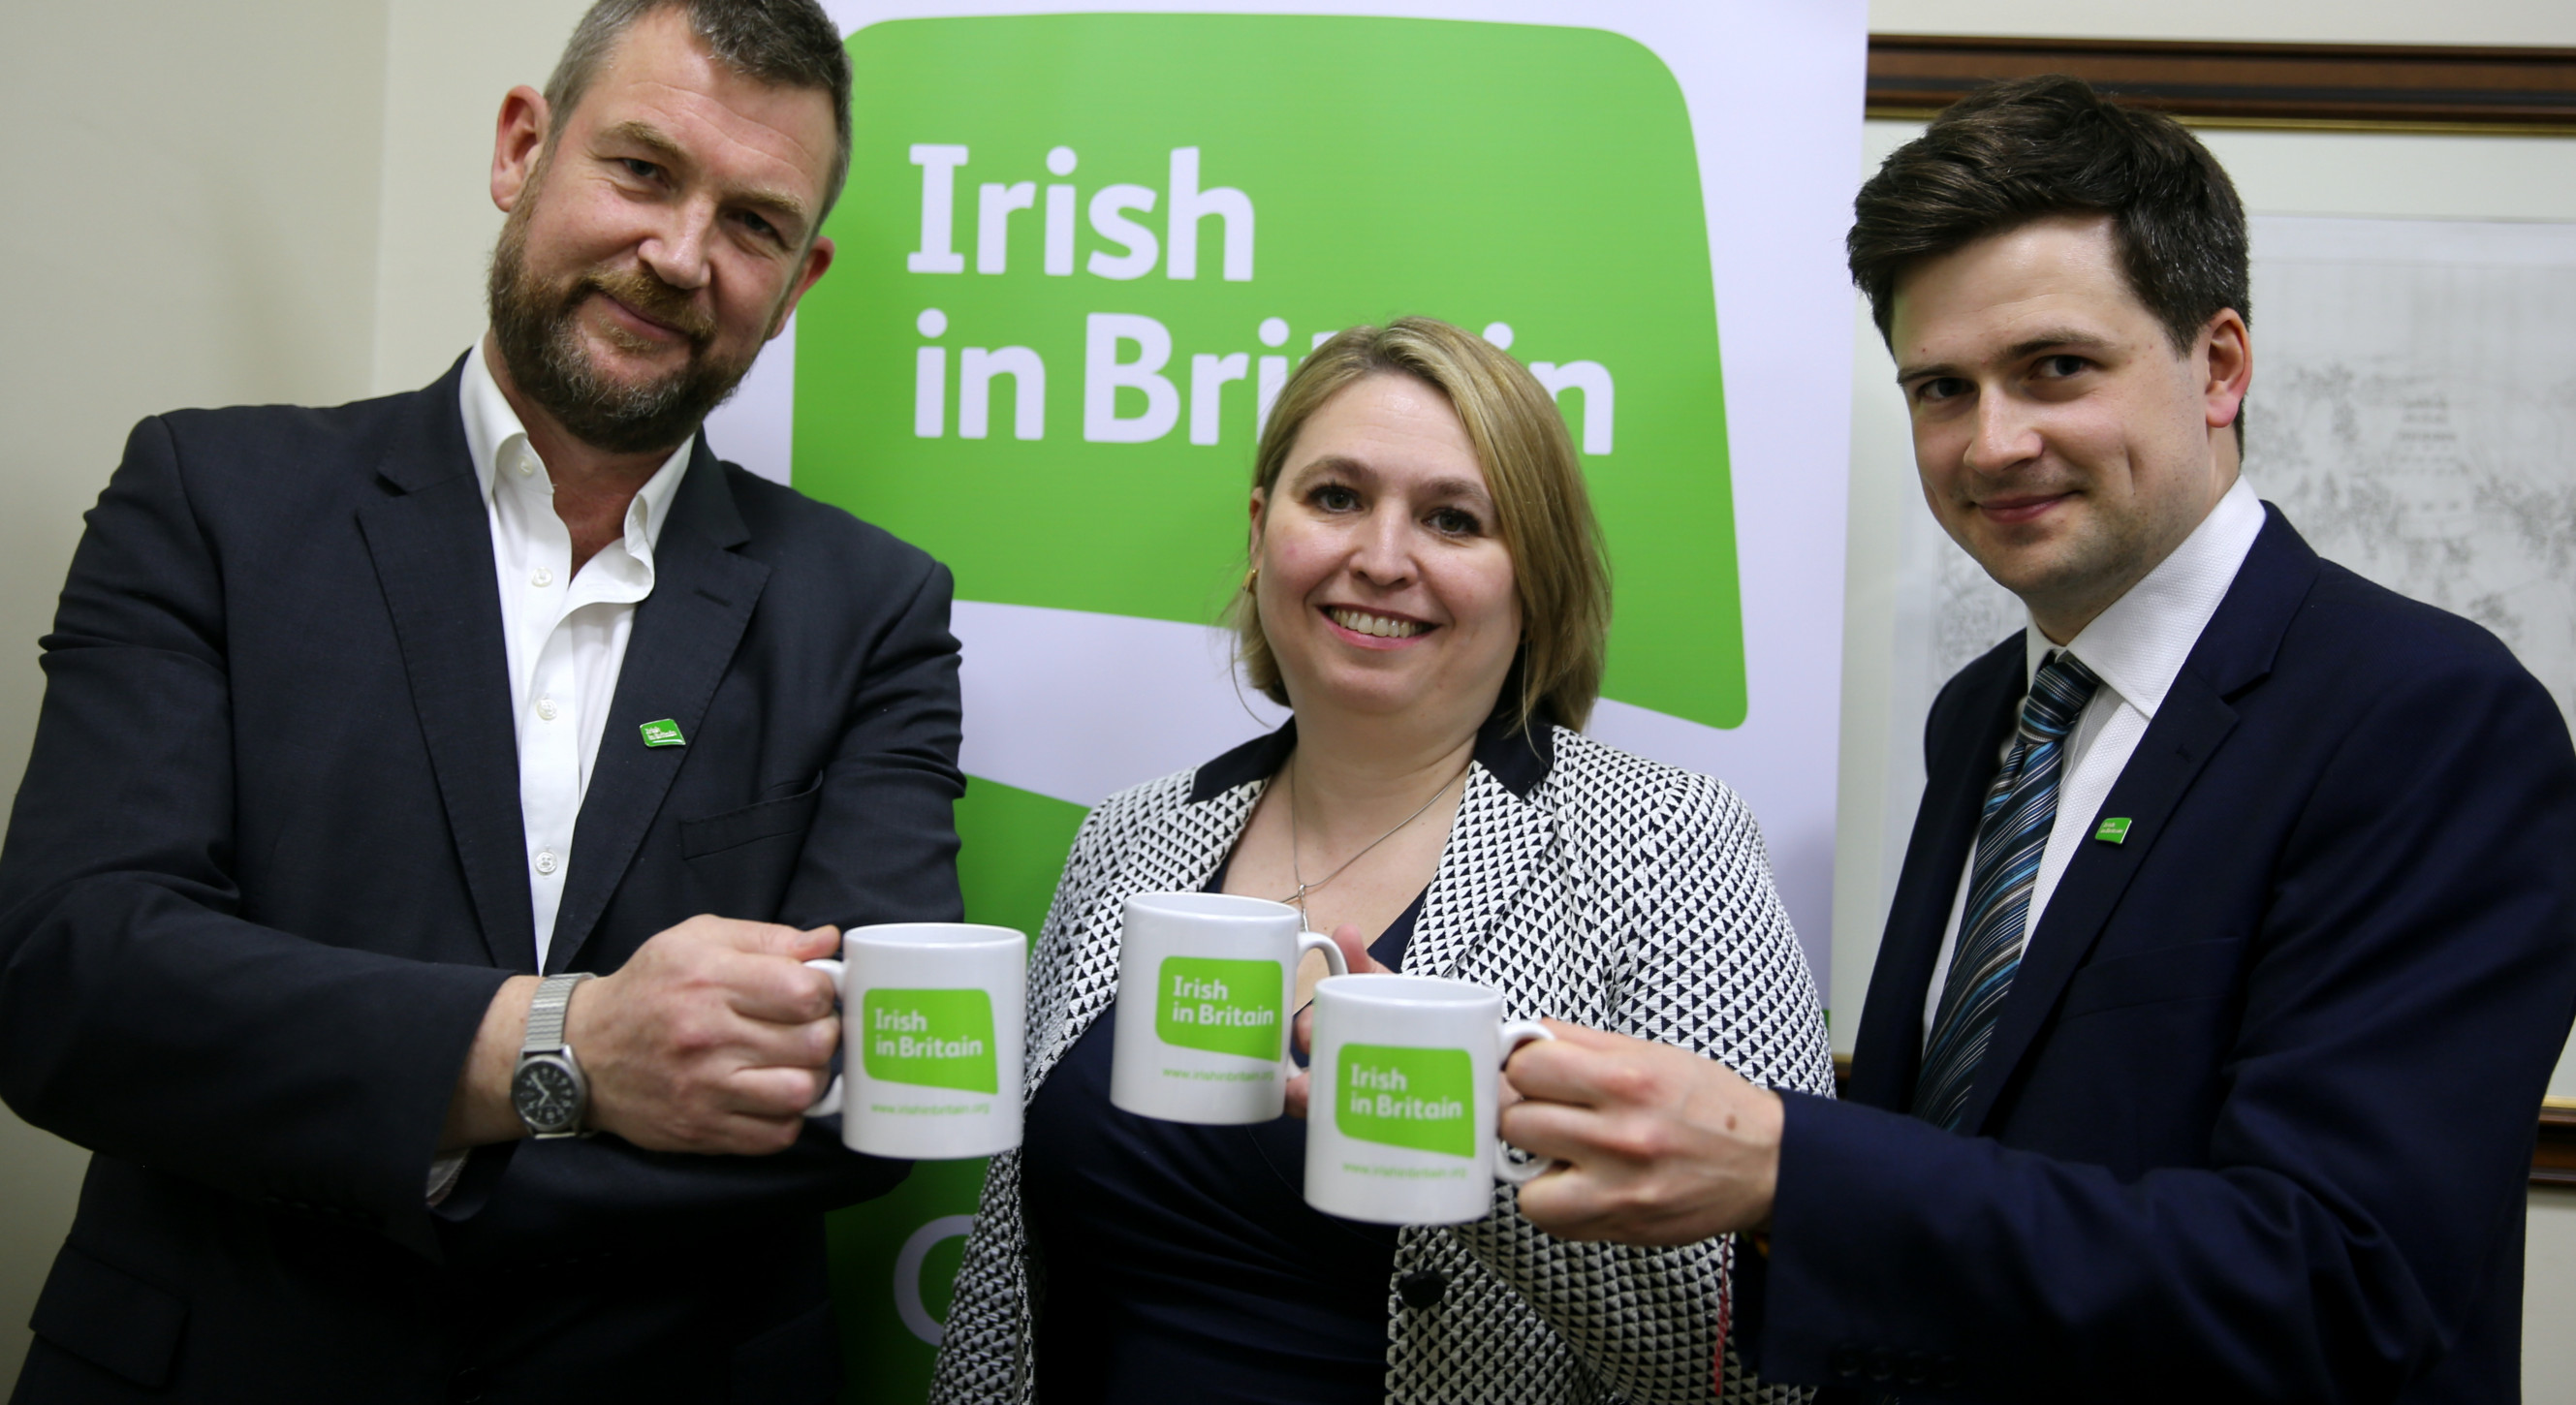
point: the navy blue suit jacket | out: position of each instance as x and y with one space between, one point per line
267 870
2258 1114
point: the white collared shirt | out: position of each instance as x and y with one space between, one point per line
565 633
2137 647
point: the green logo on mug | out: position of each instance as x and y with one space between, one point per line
1224 1007
1403 1096
931 1038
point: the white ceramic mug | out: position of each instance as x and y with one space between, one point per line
1400 1123
1203 1012
931 1039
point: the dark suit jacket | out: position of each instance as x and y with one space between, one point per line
2258 1114
266 871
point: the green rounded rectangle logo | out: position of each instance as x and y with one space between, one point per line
1080 254
930 1038
1398 1095
1223 1007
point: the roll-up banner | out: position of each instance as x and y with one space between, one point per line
1078 254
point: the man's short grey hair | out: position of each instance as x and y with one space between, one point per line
784 43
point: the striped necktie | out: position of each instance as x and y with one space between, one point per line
2012 833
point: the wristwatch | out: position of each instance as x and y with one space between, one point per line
547 1087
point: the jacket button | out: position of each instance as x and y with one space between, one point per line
1846 1360
1423 1287
466 1386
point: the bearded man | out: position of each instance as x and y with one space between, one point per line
371 733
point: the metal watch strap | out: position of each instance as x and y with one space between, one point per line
546 1012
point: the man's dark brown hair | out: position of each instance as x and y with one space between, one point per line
2017 150
784 43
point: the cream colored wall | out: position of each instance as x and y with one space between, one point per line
2549 1299
449 62
192 222
2316 173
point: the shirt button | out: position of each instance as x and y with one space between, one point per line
547 863
541 578
546 709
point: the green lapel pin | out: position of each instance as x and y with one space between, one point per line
2113 831
667 733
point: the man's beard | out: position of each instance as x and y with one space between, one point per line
534 325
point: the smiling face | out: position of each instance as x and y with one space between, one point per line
660 238
1385 589
2062 441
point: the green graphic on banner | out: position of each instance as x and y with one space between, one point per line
930 1038
1079 253
1398 1095
1223 1007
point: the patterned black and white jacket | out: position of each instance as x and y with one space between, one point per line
1582 883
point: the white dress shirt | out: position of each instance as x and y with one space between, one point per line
2136 647
565 635
565 632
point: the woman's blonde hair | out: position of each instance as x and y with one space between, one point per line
1559 571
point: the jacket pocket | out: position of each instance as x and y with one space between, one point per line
735 828
797 1362
109 1318
2192 971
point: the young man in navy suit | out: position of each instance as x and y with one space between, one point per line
2237 934
373 733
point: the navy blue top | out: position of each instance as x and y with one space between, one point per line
1175 1252
1179 1261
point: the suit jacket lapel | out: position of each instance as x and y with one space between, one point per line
1962 765
432 548
1494 845
684 636
2233 654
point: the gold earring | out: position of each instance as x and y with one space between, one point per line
1249 577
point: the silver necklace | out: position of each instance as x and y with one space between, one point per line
1295 842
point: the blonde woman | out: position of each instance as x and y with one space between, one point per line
1425 590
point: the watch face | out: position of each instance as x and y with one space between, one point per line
546 1095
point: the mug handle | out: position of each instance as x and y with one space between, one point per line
1510 1162
830 1102
1335 963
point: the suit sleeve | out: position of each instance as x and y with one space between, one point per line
1708 961
882 848
884 843
141 1015
2410 983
